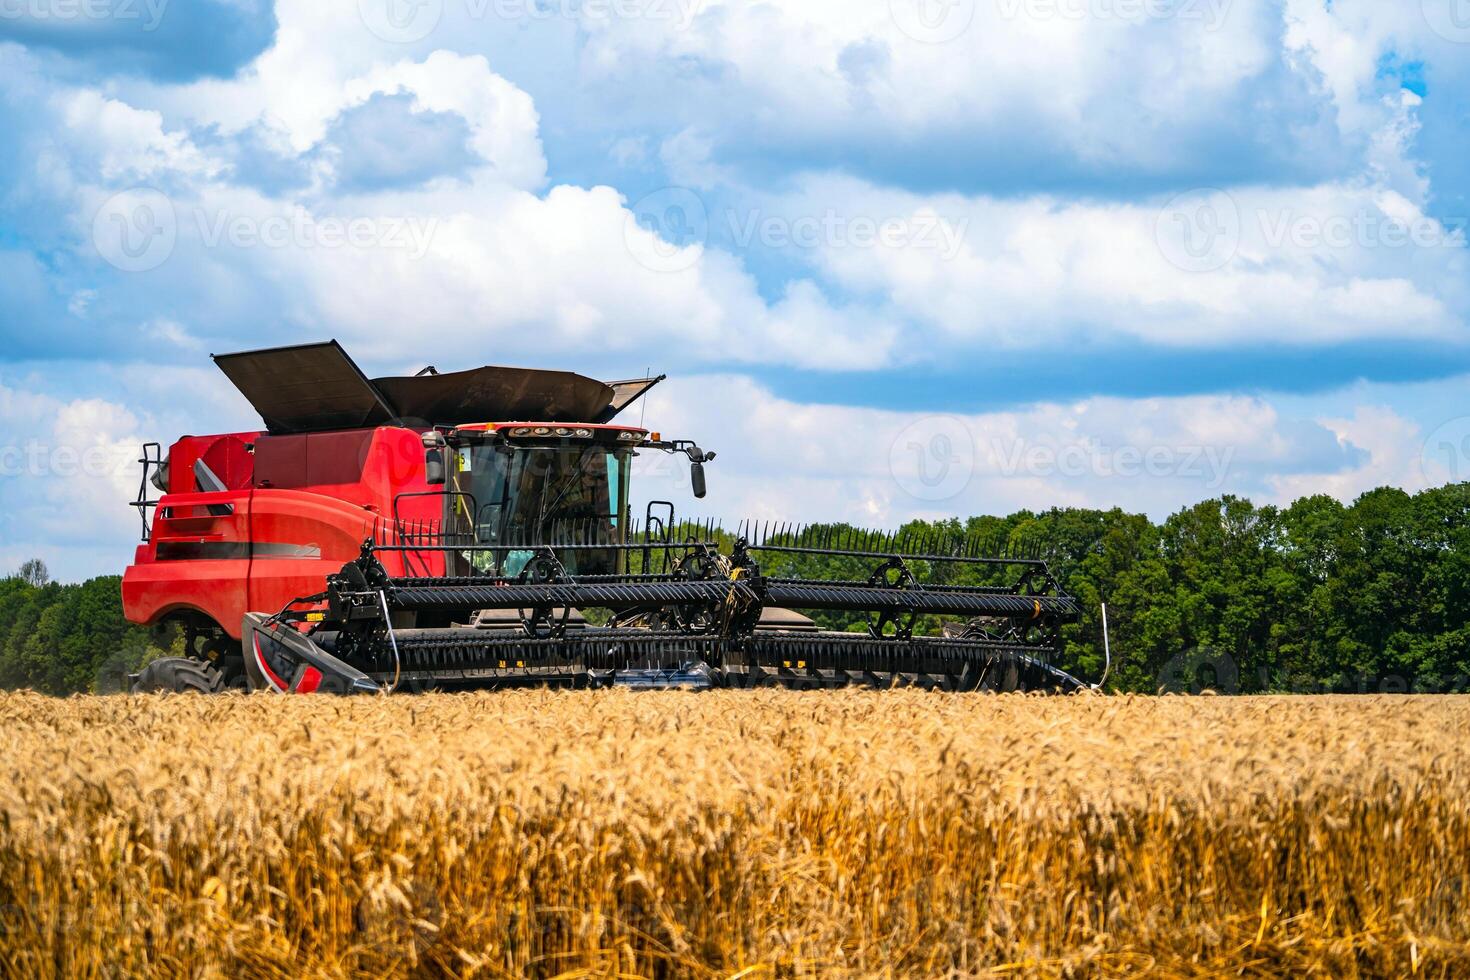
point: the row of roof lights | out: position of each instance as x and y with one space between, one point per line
547 430
572 433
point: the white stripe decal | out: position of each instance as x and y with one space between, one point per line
270 675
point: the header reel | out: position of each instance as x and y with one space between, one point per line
692 607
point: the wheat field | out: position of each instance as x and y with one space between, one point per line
617 834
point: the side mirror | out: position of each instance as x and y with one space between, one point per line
434 467
696 478
434 471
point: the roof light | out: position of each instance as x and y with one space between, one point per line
583 433
562 431
542 430
523 430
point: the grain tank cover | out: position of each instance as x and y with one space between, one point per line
496 394
306 388
317 388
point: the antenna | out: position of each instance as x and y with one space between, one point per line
643 409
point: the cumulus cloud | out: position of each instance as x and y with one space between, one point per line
1008 93
66 475
385 142
796 193
123 143
780 459
1321 265
486 258
504 127
155 38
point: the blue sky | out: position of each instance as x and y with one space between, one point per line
900 257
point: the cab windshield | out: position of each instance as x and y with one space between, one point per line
525 496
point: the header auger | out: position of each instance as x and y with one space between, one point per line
407 544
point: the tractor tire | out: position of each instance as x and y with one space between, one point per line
179 675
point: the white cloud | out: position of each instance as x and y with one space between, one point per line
1084 83
66 468
68 464
130 143
503 121
501 261
780 459
1317 265
1395 457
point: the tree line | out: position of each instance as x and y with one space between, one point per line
67 638
1318 596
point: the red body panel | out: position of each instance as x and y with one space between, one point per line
297 508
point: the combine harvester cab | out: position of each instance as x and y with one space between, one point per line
380 535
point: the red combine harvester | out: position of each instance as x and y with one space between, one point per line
382 535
